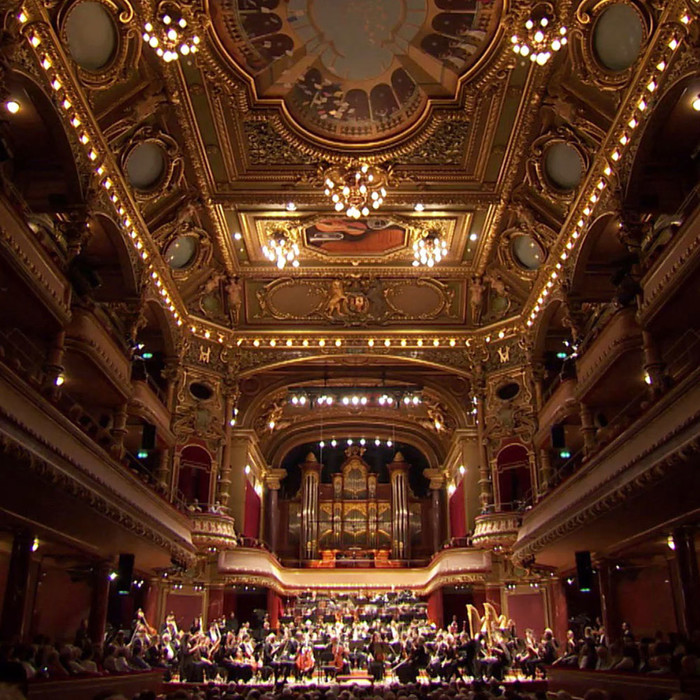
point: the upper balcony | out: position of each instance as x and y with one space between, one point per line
610 362
96 365
496 530
560 403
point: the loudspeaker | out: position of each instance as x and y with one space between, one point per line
584 571
125 573
558 436
148 437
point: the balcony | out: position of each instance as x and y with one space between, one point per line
493 530
559 404
95 363
148 402
613 349
213 530
31 263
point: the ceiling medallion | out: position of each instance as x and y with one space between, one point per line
169 34
356 188
281 248
541 35
431 248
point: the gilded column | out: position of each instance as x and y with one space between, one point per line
310 480
485 485
437 495
273 478
398 471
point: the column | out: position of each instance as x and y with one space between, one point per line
559 613
100 602
13 624
163 471
310 479
119 431
398 471
273 608
273 478
688 578
608 605
54 362
242 446
150 604
224 482
215 604
436 612
654 366
485 485
545 472
437 497
587 429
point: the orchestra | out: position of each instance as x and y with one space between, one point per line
387 636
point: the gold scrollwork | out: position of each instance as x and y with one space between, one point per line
536 162
583 34
173 169
202 256
126 53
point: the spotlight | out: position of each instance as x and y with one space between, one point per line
696 103
60 379
113 575
35 544
12 106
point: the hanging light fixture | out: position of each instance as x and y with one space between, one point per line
281 249
541 37
429 249
355 188
169 33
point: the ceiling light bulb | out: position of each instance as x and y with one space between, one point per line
12 106
696 103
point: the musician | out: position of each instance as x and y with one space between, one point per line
304 662
339 653
407 671
285 656
378 652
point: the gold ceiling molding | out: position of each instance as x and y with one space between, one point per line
128 42
587 13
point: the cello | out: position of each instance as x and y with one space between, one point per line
305 659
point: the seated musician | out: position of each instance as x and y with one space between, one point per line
305 661
497 659
340 654
407 671
285 656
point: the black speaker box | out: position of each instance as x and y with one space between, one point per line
125 573
558 436
584 571
148 437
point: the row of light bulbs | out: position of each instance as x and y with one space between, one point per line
350 441
122 205
355 400
592 197
356 342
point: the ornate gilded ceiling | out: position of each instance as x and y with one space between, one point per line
355 72
198 161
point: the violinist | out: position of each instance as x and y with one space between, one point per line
377 655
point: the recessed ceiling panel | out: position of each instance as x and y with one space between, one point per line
358 71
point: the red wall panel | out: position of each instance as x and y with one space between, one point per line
185 608
458 522
527 610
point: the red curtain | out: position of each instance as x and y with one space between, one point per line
251 525
458 522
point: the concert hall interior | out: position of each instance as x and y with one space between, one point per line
349 312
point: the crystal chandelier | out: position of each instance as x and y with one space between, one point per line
355 188
429 249
169 34
542 35
281 249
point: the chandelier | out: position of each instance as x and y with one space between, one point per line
355 188
281 249
169 34
358 396
542 35
429 249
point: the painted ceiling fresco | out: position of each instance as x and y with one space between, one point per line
356 71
